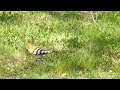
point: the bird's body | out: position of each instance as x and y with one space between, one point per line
35 50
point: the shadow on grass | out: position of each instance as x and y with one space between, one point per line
104 45
10 17
104 49
79 15
66 15
74 43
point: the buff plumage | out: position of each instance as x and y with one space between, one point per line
35 50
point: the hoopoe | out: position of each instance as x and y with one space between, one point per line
35 50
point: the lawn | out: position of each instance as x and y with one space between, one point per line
85 50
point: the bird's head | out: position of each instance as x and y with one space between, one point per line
31 47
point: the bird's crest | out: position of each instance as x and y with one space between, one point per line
31 47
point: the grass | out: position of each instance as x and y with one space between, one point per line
85 49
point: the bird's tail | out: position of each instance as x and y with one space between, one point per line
47 51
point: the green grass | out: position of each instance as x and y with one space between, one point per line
85 49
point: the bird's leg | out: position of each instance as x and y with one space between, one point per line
39 56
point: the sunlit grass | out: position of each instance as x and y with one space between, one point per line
84 49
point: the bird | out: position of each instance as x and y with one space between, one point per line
38 51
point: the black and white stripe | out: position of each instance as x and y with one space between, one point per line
39 51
